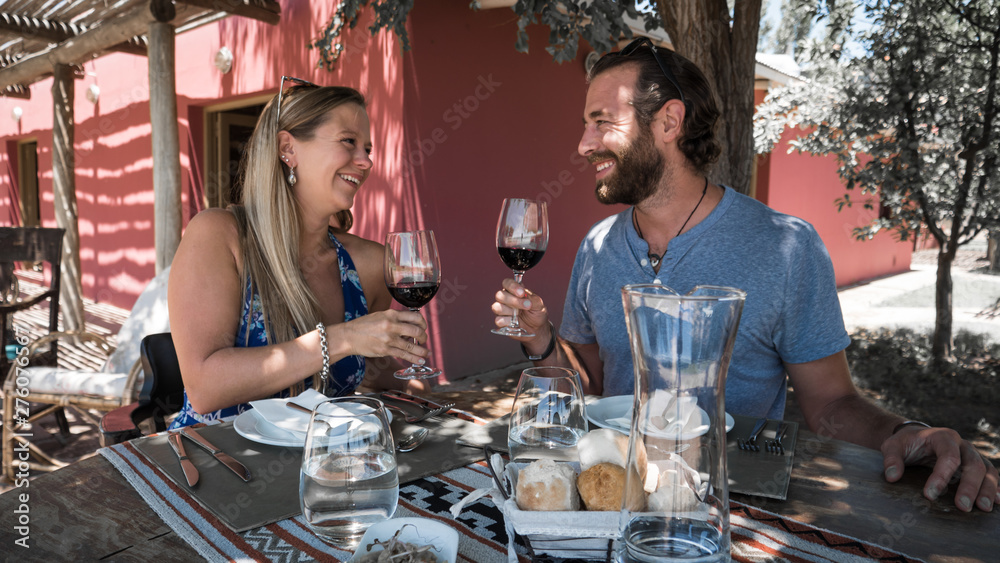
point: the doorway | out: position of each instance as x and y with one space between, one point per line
27 172
227 134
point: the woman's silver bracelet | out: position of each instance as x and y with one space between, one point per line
325 372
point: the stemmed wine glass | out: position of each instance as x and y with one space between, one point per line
522 236
413 275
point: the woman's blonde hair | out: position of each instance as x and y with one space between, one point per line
269 216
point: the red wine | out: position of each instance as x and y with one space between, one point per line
413 295
520 259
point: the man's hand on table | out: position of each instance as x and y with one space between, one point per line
950 457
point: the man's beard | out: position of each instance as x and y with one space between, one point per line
636 174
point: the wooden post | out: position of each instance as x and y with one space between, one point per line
64 191
166 144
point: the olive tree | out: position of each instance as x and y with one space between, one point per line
913 126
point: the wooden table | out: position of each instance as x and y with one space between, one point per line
87 511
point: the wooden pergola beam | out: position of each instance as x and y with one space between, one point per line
135 46
267 11
19 91
49 30
79 48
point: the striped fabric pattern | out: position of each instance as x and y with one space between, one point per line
757 535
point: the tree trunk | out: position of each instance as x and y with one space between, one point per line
993 250
941 346
726 54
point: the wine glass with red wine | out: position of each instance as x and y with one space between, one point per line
413 275
522 236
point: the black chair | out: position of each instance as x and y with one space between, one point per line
29 244
162 393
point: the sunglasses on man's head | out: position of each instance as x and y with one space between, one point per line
634 46
296 82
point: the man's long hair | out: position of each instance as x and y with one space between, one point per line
652 90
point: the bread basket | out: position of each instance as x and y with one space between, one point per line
580 535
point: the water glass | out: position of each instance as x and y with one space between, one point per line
348 479
549 415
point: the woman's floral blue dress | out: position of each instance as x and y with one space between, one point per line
345 375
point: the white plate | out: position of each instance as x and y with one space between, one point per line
599 411
442 538
253 427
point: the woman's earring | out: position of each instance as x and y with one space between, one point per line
291 176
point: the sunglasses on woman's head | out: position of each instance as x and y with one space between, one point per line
634 46
296 83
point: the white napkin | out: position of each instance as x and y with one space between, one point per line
667 414
279 414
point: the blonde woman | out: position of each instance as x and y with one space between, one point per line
256 289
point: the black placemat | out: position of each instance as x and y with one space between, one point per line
272 493
760 473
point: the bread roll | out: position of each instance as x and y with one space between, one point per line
675 491
547 485
602 486
608 446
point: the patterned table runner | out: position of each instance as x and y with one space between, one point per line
757 535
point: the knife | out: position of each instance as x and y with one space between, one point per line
190 471
425 403
218 454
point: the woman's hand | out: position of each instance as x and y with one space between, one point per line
384 333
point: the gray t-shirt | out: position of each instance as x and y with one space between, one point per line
792 312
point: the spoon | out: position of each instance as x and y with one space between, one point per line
411 440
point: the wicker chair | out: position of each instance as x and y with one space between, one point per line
162 394
115 385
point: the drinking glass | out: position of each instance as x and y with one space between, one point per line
522 236
681 346
548 417
348 479
413 275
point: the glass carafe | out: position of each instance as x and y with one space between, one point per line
681 346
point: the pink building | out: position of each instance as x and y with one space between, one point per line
459 122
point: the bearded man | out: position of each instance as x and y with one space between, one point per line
649 131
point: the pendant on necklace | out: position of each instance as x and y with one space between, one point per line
654 260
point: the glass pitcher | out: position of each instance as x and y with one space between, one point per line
681 346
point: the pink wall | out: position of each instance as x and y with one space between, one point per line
113 173
806 186
484 122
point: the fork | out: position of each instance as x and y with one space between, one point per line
750 444
409 418
774 446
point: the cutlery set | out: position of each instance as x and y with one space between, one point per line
406 444
771 446
190 471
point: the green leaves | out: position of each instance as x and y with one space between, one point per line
389 14
597 22
914 121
